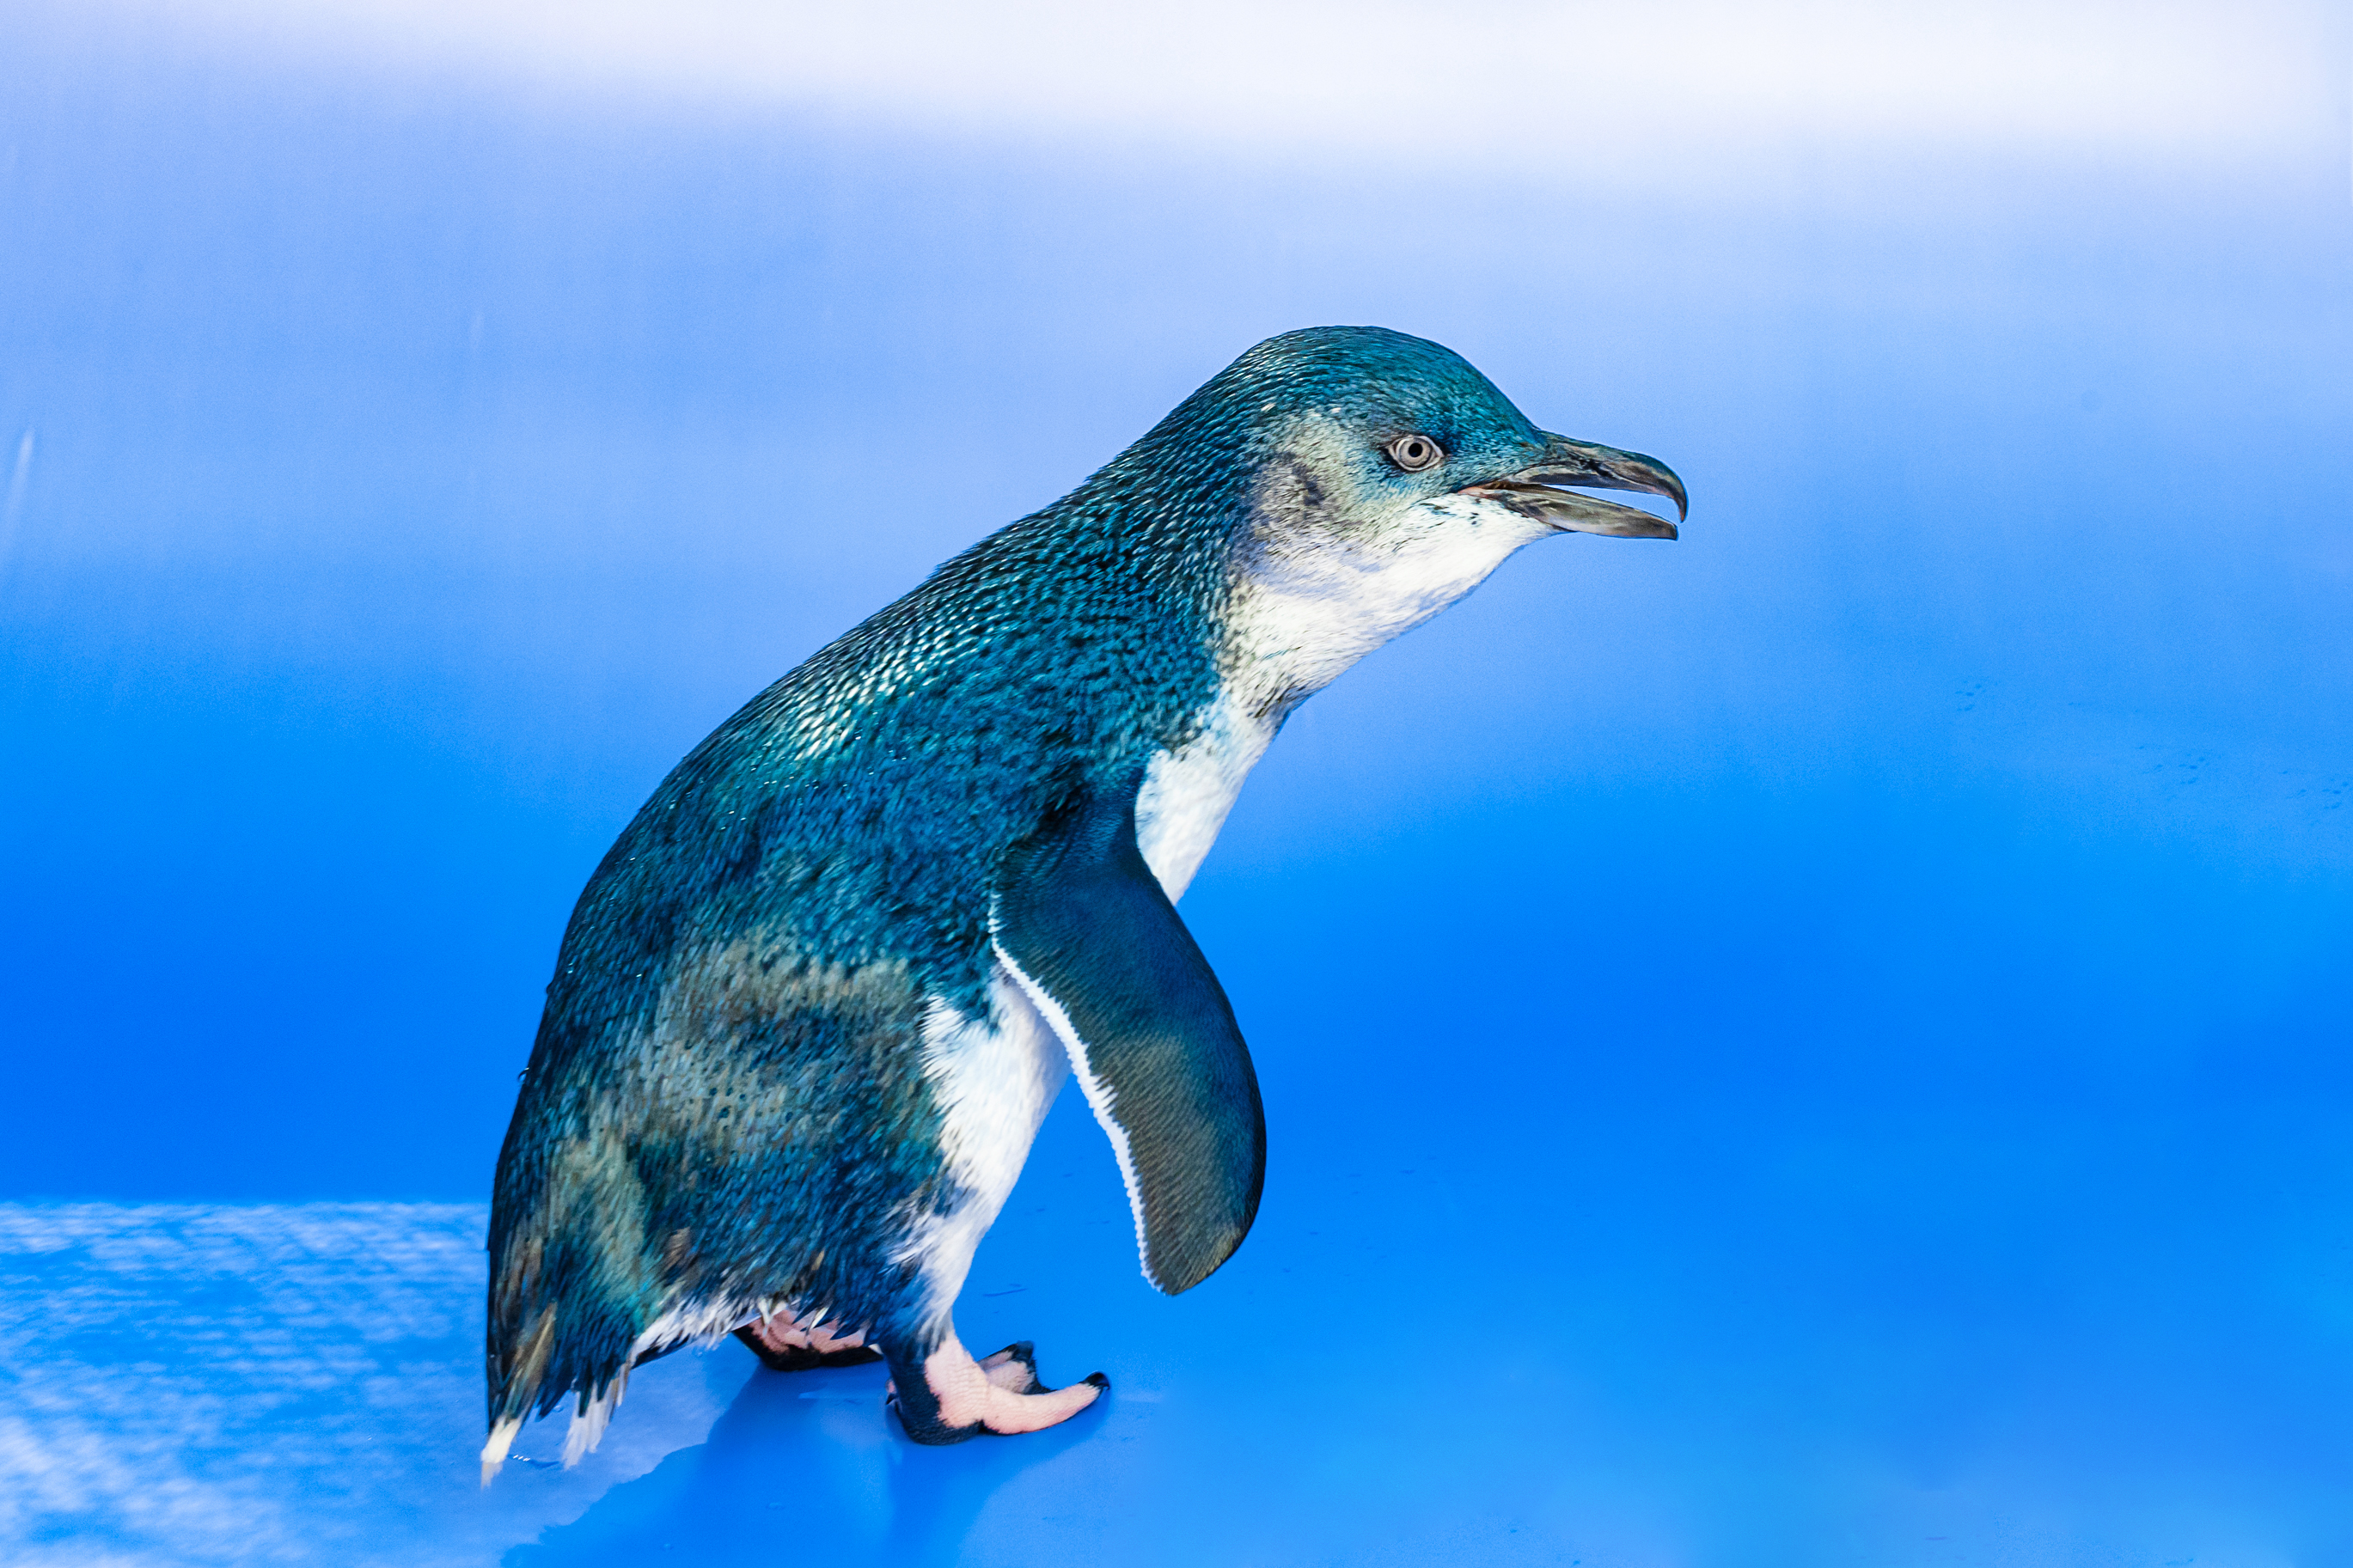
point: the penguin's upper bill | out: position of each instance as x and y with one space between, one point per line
1566 462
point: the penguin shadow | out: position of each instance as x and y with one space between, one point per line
803 1463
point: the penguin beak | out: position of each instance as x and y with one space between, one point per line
1566 462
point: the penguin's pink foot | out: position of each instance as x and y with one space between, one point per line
951 1397
784 1345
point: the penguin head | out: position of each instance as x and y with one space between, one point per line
1366 422
1381 478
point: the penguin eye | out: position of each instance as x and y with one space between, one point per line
1414 453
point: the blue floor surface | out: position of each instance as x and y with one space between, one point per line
2127 1341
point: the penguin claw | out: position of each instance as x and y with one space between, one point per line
951 1397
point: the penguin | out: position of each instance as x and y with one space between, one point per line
811 1008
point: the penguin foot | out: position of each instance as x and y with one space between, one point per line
951 1397
799 1358
783 1345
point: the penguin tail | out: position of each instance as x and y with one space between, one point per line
572 1289
523 1393
517 1368
494 1452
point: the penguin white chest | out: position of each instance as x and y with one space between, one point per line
1187 793
1304 607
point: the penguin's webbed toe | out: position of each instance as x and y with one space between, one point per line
1015 1369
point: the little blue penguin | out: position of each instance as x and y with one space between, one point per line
811 1008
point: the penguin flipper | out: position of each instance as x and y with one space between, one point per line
1089 934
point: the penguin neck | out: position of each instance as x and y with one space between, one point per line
1306 599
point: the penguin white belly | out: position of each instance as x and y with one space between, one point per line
994 1083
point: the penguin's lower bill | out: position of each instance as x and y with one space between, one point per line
812 1008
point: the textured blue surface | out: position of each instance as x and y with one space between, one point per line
1823 1043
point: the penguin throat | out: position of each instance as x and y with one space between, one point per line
1308 599
1311 596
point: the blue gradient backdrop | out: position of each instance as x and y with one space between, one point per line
1764 1038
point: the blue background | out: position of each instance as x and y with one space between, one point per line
1818 1040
